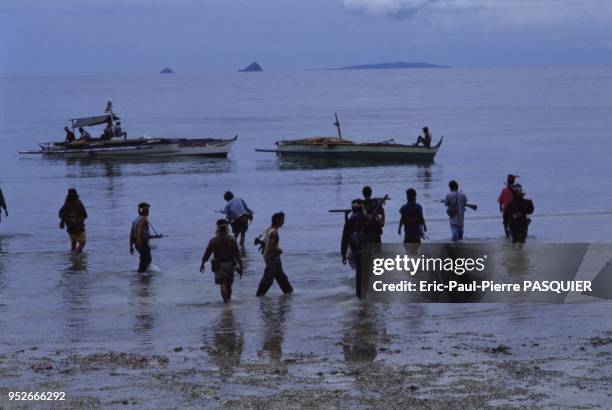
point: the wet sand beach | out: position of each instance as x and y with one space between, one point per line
91 326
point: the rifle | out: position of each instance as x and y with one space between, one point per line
473 207
381 202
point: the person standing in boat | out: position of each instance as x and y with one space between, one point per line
118 132
504 198
226 259
425 139
353 238
72 217
516 215
140 233
85 136
412 219
455 203
69 136
272 256
3 205
238 214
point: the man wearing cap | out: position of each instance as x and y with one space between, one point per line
140 235
504 199
2 205
72 217
226 259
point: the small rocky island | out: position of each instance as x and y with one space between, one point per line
166 71
388 66
253 67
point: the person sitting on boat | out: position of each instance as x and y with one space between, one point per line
118 131
107 135
69 136
85 135
425 139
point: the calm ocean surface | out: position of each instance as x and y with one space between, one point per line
551 126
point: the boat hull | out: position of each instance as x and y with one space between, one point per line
367 152
156 147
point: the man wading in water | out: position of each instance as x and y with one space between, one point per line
140 235
353 237
226 257
238 214
72 216
272 256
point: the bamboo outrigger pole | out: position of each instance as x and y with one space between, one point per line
337 124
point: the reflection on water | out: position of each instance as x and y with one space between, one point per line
292 163
143 296
75 284
273 313
135 166
227 342
362 333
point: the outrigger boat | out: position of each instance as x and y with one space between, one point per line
98 147
338 147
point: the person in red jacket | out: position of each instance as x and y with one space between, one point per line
504 198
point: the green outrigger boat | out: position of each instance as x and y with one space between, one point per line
341 148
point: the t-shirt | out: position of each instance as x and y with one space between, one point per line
235 208
456 200
505 197
412 219
73 214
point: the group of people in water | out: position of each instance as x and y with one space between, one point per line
110 131
364 224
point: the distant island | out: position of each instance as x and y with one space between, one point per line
388 66
253 67
166 71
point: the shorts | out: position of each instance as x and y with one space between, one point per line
224 273
240 224
78 237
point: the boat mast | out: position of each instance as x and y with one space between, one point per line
337 124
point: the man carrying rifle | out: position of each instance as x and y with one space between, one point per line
353 238
140 235
455 202
375 211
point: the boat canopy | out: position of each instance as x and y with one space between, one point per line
91 121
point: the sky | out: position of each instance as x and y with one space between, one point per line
66 37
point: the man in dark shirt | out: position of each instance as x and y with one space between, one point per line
353 238
226 257
72 216
515 215
412 219
69 136
376 212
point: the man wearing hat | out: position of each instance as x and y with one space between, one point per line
226 259
2 205
504 199
140 235
72 217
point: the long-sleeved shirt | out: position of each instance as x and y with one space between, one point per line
140 234
235 208
73 214
223 248
456 200
353 233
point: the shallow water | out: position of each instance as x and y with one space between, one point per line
549 125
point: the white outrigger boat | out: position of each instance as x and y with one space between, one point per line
338 147
98 147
